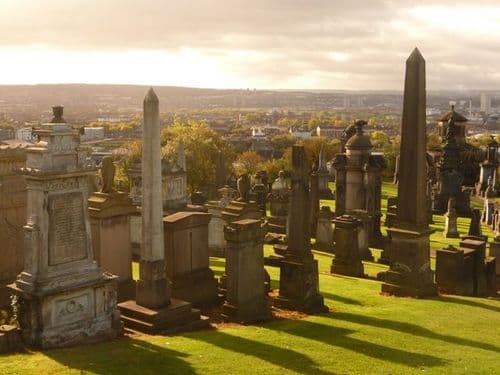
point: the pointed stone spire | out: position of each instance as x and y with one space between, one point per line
152 226
412 163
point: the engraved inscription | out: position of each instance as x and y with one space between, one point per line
72 309
67 233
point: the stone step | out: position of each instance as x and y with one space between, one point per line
136 325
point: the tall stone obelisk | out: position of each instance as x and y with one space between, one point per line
152 287
410 274
153 311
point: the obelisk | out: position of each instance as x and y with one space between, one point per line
152 286
410 273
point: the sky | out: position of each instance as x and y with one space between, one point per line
262 44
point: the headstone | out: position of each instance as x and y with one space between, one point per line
187 257
64 298
324 231
299 279
109 214
410 273
216 241
246 297
347 260
323 178
314 189
450 224
279 199
153 310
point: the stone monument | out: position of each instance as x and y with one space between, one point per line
278 198
246 297
324 230
153 310
450 223
347 260
410 273
299 281
110 212
64 298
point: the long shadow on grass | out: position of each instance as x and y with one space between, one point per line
123 356
341 299
411 329
285 358
466 302
335 336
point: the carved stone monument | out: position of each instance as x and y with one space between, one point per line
347 260
153 310
246 297
450 224
299 280
410 273
64 297
110 212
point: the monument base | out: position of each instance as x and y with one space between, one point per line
409 274
175 317
347 269
126 290
199 287
217 251
153 287
299 286
258 312
80 315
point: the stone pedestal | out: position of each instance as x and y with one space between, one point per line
278 207
187 257
347 260
364 230
110 225
324 230
450 225
246 297
323 179
495 252
63 297
410 273
455 271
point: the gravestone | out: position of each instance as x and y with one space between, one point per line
12 216
323 178
314 190
324 231
216 241
450 223
187 257
347 260
279 199
153 309
409 273
64 298
246 297
299 279
109 212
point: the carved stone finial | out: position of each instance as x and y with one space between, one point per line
57 112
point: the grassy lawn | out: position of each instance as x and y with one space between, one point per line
364 333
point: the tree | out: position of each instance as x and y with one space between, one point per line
379 139
281 142
248 162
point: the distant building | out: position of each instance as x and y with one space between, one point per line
302 133
25 134
485 103
334 133
6 133
92 134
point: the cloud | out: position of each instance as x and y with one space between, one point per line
278 43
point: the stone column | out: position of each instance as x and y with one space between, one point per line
246 299
299 280
410 273
314 182
152 287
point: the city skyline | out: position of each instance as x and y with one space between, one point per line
265 45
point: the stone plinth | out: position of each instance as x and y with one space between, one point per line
324 230
246 297
364 230
110 227
455 271
410 273
278 207
450 225
347 260
495 252
187 257
63 297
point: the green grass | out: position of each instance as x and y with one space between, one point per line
365 333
